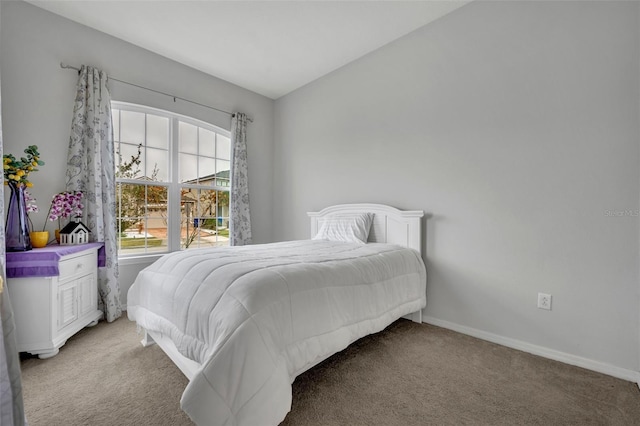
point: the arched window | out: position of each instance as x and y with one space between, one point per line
172 178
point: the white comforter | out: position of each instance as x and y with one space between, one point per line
257 316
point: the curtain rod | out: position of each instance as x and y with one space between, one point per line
70 67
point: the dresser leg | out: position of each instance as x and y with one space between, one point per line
49 354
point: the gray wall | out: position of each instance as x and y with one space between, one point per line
514 125
38 100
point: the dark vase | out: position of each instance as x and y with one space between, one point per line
17 227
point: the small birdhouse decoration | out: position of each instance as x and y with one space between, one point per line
74 233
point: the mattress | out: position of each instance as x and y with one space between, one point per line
255 317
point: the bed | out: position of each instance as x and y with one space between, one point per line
242 322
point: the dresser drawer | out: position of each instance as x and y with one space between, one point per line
78 265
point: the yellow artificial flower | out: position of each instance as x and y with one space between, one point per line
18 169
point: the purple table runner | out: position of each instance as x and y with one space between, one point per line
43 262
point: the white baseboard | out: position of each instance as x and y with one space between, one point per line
589 364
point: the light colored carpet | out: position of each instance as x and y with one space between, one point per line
409 374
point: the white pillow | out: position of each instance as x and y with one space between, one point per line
351 228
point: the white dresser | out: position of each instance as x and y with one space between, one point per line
50 309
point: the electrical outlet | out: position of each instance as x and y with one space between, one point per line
544 301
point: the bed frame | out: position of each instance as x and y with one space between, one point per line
390 225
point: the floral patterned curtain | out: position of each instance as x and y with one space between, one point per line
11 404
240 218
91 169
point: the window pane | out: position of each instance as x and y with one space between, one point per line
188 168
115 120
156 219
206 170
188 138
207 141
223 149
157 131
129 205
222 218
157 164
142 218
201 223
223 166
129 164
132 127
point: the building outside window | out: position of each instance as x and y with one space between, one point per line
172 181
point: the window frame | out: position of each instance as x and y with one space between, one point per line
173 185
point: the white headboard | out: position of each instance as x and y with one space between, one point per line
390 225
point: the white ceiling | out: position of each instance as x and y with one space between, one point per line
269 47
